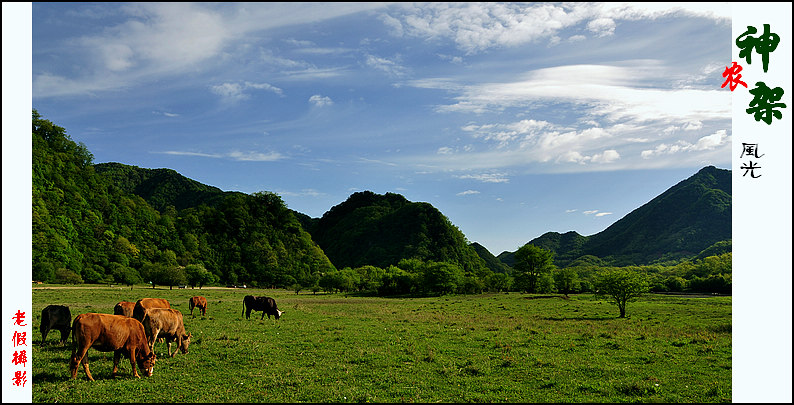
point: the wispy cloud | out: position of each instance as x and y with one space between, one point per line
595 213
486 177
233 92
468 192
390 67
233 155
306 192
153 40
709 142
616 93
167 114
476 27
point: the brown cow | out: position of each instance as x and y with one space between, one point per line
147 303
124 308
116 333
199 302
167 323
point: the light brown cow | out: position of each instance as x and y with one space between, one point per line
147 303
199 302
124 308
167 323
116 333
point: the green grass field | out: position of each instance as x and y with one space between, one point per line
462 348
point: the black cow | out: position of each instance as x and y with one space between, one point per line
56 317
265 304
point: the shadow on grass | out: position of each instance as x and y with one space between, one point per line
54 346
580 318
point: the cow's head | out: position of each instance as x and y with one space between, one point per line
185 343
278 313
146 364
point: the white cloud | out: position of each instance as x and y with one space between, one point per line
155 40
385 65
709 142
589 212
601 214
167 114
602 27
475 27
238 91
320 101
306 192
487 177
693 126
468 192
234 155
255 156
607 156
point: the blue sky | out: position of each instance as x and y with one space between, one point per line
512 119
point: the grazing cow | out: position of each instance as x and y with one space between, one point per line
124 308
56 317
265 304
199 302
116 333
167 323
147 303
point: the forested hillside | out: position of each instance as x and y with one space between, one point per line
94 225
677 225
380 230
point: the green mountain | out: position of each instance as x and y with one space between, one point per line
161 187
117 223
490 260
380 230
680 223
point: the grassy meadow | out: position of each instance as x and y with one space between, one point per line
459 348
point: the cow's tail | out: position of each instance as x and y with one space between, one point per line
243 313
74 343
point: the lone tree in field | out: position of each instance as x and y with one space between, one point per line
620 286
531 263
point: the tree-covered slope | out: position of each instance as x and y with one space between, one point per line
678 224
380 230
681 222
90 225
160 187
490 260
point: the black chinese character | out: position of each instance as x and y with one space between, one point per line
751 149
764 44
750 169
763 105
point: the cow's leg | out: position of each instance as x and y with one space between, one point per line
116 358
132 363
79 356
85 367
263 315
65 335
169 347
44 331
153 339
